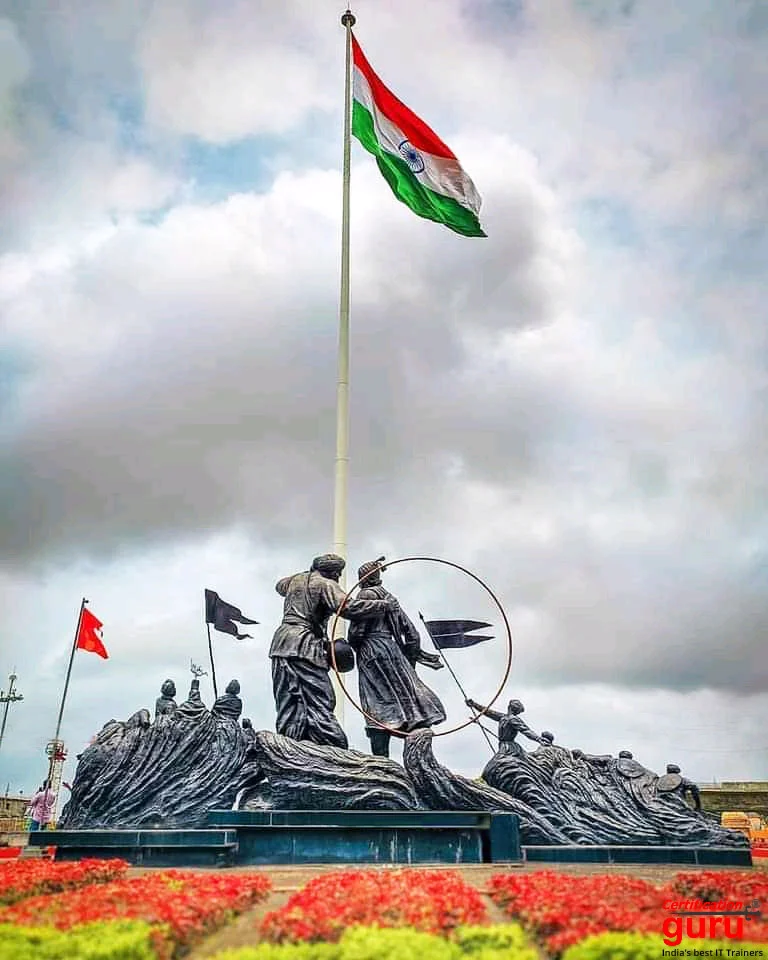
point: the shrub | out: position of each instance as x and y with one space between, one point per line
509 938
375 943
638 946
371 943
284 951
131 940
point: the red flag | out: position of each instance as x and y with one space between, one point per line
89 635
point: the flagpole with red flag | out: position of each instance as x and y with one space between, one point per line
69 668
66 687
86 638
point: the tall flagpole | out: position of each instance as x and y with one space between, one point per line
64 695
342 384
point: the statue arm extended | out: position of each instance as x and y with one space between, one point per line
527 732
357 630
282 586
358 609
690 787
493 714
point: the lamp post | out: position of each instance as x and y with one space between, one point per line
7 699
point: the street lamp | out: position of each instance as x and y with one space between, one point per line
7 699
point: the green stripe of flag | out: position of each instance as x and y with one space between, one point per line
407 188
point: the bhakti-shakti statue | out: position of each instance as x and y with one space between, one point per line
300 650
191 760
388 647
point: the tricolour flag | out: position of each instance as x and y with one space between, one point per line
89 634
421 170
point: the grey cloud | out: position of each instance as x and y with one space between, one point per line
211 377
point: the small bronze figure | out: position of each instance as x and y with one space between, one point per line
165 705
229 705
673 783
510 724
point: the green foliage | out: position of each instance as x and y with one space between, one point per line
371 943
617 946
639 946
505 942
283 951
507 939
127 940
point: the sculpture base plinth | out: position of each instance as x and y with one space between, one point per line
146 848
695 856
305 837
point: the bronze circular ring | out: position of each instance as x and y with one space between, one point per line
447 563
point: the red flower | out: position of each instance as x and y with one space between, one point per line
26 878
187 905
561 909
430 900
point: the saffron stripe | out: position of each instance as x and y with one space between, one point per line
439 174
413 127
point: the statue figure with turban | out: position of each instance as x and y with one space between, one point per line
388 647
304 697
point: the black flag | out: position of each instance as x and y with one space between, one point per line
452 634
221 614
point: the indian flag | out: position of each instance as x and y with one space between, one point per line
421 170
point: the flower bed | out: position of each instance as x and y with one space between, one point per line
721 884
560 910
26 878
430 901
183 906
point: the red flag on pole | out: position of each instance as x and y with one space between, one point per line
89 635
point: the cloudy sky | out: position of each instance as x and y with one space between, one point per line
575 408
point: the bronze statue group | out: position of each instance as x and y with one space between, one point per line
173 770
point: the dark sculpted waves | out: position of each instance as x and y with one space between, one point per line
605 800
286 774
172 772
439 789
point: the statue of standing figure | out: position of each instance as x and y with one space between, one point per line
388 647
304 697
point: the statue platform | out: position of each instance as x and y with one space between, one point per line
285 837
662 855
276 837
